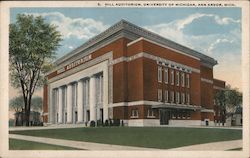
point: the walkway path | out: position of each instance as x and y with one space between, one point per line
222 146
23 128
215 146
77 144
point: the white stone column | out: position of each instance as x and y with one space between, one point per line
105 94
60 107
80 101
69 103
92 98
52 113
86 87
98 89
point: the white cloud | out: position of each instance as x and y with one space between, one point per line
223 45
78 27
70 47
221 21
205 43
218 42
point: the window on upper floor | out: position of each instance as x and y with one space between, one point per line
166 75
177 97
159 74
188 80
159 95
172 77
166 96
177 78
183 79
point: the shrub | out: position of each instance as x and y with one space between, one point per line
106 123
92 123
86 123
110 122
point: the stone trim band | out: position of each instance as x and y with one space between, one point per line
158 59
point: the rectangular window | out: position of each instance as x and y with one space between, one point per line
177 78
182 98
188 80
159 74
159 95
172 96
172 77
166 96
177 97
188 98
134 113
182 79
166 75
150 113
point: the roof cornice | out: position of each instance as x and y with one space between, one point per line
133 31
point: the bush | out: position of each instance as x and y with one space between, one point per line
110 122
92 123
86 123
106 123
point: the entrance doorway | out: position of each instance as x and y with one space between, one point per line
101 115
88 115
75 117
164 116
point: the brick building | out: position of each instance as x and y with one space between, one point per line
132 74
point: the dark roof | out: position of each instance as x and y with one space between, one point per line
126 29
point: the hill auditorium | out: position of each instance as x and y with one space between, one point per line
134 75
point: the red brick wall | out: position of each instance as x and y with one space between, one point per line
135 80
207 88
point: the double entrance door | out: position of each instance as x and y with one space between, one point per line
165 116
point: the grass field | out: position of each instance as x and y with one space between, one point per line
15 144
151 137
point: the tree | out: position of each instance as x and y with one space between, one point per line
228 100
36 103
220 99
32 48
234 99
16 104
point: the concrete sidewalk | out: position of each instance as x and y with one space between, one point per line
23 128
215 146
77 144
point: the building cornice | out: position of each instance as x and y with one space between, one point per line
133 32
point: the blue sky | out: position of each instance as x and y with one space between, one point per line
213 31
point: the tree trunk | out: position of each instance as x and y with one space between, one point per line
27 113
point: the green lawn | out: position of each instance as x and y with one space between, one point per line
15 144
152 137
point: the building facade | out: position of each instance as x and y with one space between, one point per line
134 75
